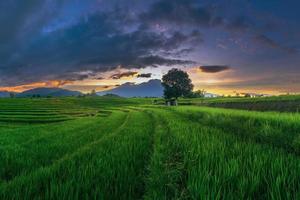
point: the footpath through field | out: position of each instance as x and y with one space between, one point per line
217 162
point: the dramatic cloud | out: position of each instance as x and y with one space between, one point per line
214 68
178 12
158 60
20 88
95 43
65 40
15 16
147 75
124 74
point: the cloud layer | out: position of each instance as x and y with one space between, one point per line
46 40
146 75
124 74
99 41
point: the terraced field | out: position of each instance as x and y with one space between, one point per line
107 148
37 111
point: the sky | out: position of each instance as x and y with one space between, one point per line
226 46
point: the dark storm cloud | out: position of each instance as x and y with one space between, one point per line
122 75
147 75
179 12
21 21
214 68
14 15
73 77
155 60
57 39
246 25
192 13
96 44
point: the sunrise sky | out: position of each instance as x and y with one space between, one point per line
226 46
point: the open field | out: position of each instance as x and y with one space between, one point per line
288 103
114 148
284 103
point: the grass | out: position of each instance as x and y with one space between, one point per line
108 167
112 148
284 103
221 165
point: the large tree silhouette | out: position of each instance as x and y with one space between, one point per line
176 84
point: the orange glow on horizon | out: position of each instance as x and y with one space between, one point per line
222 83
234 92
49 84
86 86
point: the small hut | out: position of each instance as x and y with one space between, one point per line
171 102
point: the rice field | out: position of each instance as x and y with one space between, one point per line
112 148
284 103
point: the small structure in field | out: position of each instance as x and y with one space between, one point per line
254 95
171 102
210 95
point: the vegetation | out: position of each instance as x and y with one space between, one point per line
117 148
197 94
284 103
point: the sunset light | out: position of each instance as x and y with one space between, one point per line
150 99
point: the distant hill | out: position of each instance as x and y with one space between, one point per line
152 88
4 94
44 92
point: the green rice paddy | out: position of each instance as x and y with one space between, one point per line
114 148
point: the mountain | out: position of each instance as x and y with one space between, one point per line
152 88
44 92
4 94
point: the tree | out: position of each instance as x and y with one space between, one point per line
11 95
197 94
247 95
200 93
93 93
176 84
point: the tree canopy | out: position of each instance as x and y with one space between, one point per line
176 84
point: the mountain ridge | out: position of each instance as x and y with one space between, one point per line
152 88
4 94
43 92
